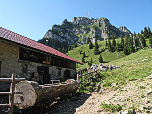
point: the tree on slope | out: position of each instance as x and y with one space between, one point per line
90 45
122 42
96 49
100 59
149 32
113 42
88 40
90 63
109 46
145 34
118 47
106 44
126 47
125 50
83 54
150 40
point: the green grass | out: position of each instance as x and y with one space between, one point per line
111 107
106 55
134 66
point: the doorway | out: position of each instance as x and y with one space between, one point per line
44 74
67 74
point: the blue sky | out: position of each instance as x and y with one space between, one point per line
32 18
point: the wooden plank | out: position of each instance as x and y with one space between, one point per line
8 105
5 93
10 79
9 93
11 97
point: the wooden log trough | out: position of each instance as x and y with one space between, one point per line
34 93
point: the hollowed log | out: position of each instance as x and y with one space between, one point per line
34 93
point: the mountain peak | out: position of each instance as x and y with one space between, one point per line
80 28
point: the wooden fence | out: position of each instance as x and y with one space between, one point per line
12 92
89 79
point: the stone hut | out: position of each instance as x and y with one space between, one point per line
27 58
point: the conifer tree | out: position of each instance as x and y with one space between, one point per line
90 63
145 34
126 44
126 39
142 32
113 42
125 50
83 60
100 59
143 40
149 32
134 34
83 54
150 40
118 47
88 40
136 42
75 45
96 49
90 45
130 46
122 42
80 52
96 43
139 43
109 46
106 44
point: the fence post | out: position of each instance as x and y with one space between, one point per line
88 75
78 81
81 79
78 78
11 96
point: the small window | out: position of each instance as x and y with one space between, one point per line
25 68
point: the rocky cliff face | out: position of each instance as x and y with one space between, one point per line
80 28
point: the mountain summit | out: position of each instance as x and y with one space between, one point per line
79 29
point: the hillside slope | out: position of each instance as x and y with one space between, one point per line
106 55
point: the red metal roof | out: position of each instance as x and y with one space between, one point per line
9 35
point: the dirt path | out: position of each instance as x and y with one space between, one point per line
136 94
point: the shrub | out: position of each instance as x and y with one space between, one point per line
111 107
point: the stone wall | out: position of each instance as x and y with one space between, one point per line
9 55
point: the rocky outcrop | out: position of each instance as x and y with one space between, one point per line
80 28
124 29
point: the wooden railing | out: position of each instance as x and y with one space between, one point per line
88 80
12 92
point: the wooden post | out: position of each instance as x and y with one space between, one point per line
89 74
11 96
81 79
78 80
